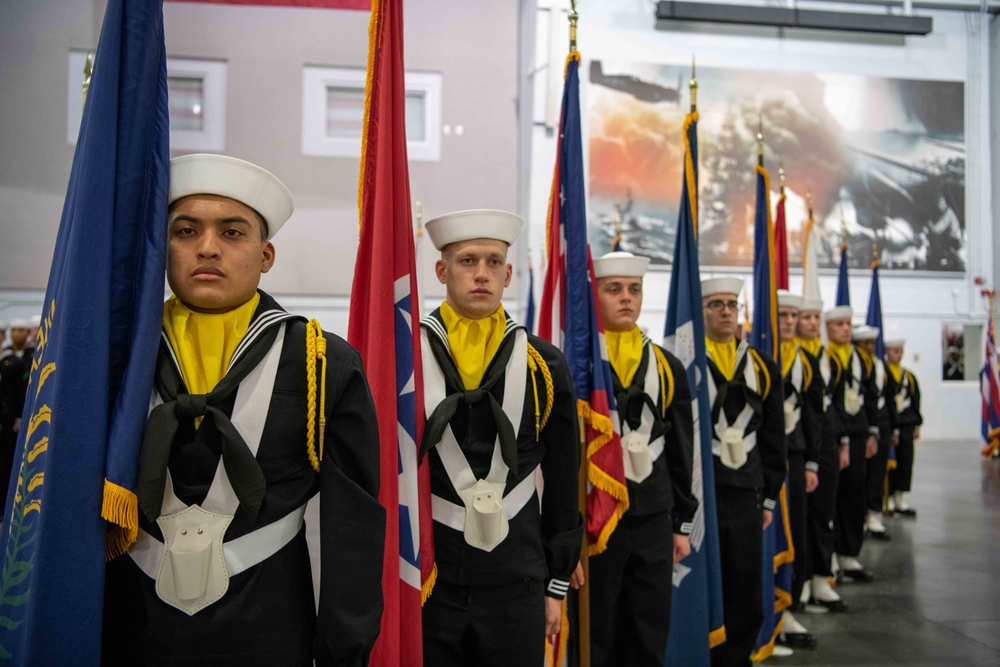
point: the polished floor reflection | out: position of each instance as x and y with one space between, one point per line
936 596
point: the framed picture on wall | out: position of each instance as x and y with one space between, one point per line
883 158
953 352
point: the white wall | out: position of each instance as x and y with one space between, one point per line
957 49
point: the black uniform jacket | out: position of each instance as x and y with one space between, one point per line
668 487
866 420
809 399
908 388
268 616
767 463
544 541
888 420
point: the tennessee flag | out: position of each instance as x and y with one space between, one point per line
568 317
777 553
696 618
384 299
77 453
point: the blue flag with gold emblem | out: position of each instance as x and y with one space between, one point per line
697 615
78 449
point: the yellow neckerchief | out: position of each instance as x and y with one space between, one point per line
724 356
843 353
896 370
204 343
625 353
810 345
788 351
473 343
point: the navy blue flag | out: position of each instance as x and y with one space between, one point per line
776 565
874 317
696 609
843 288
78 449
763 336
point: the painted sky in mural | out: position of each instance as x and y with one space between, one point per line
884 159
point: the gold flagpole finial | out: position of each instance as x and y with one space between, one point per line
809 204
88 73
843 225
618 220
419 206
781 176
574 16
760 141
693 86
875 253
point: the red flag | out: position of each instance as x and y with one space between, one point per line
780 245
383 299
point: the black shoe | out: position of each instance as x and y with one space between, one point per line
861 576
909 511
880 534
797 640
836 606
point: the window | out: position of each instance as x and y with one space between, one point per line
333 109
196 102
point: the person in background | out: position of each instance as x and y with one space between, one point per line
501 421
632 580
856 396
748 445
904 393
803 405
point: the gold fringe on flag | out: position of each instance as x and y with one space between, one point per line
599 478
428 586
120 508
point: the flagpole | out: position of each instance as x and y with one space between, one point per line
583 593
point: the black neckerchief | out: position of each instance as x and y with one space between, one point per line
457 395
722 387
241 466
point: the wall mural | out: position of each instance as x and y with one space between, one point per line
883 157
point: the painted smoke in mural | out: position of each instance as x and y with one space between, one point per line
883 158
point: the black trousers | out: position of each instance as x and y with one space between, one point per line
797 504
630 589
876 470
822 509
852 503
741 546
485 625
901 478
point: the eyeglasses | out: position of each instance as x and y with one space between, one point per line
717 304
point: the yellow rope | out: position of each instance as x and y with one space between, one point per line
374 37
762 370
807 371
689 168
536 362
666 380
315 349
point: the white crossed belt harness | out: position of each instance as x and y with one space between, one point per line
484 520
192 567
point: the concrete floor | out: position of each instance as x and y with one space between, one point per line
936 597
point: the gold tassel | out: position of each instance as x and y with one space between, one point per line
120 507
